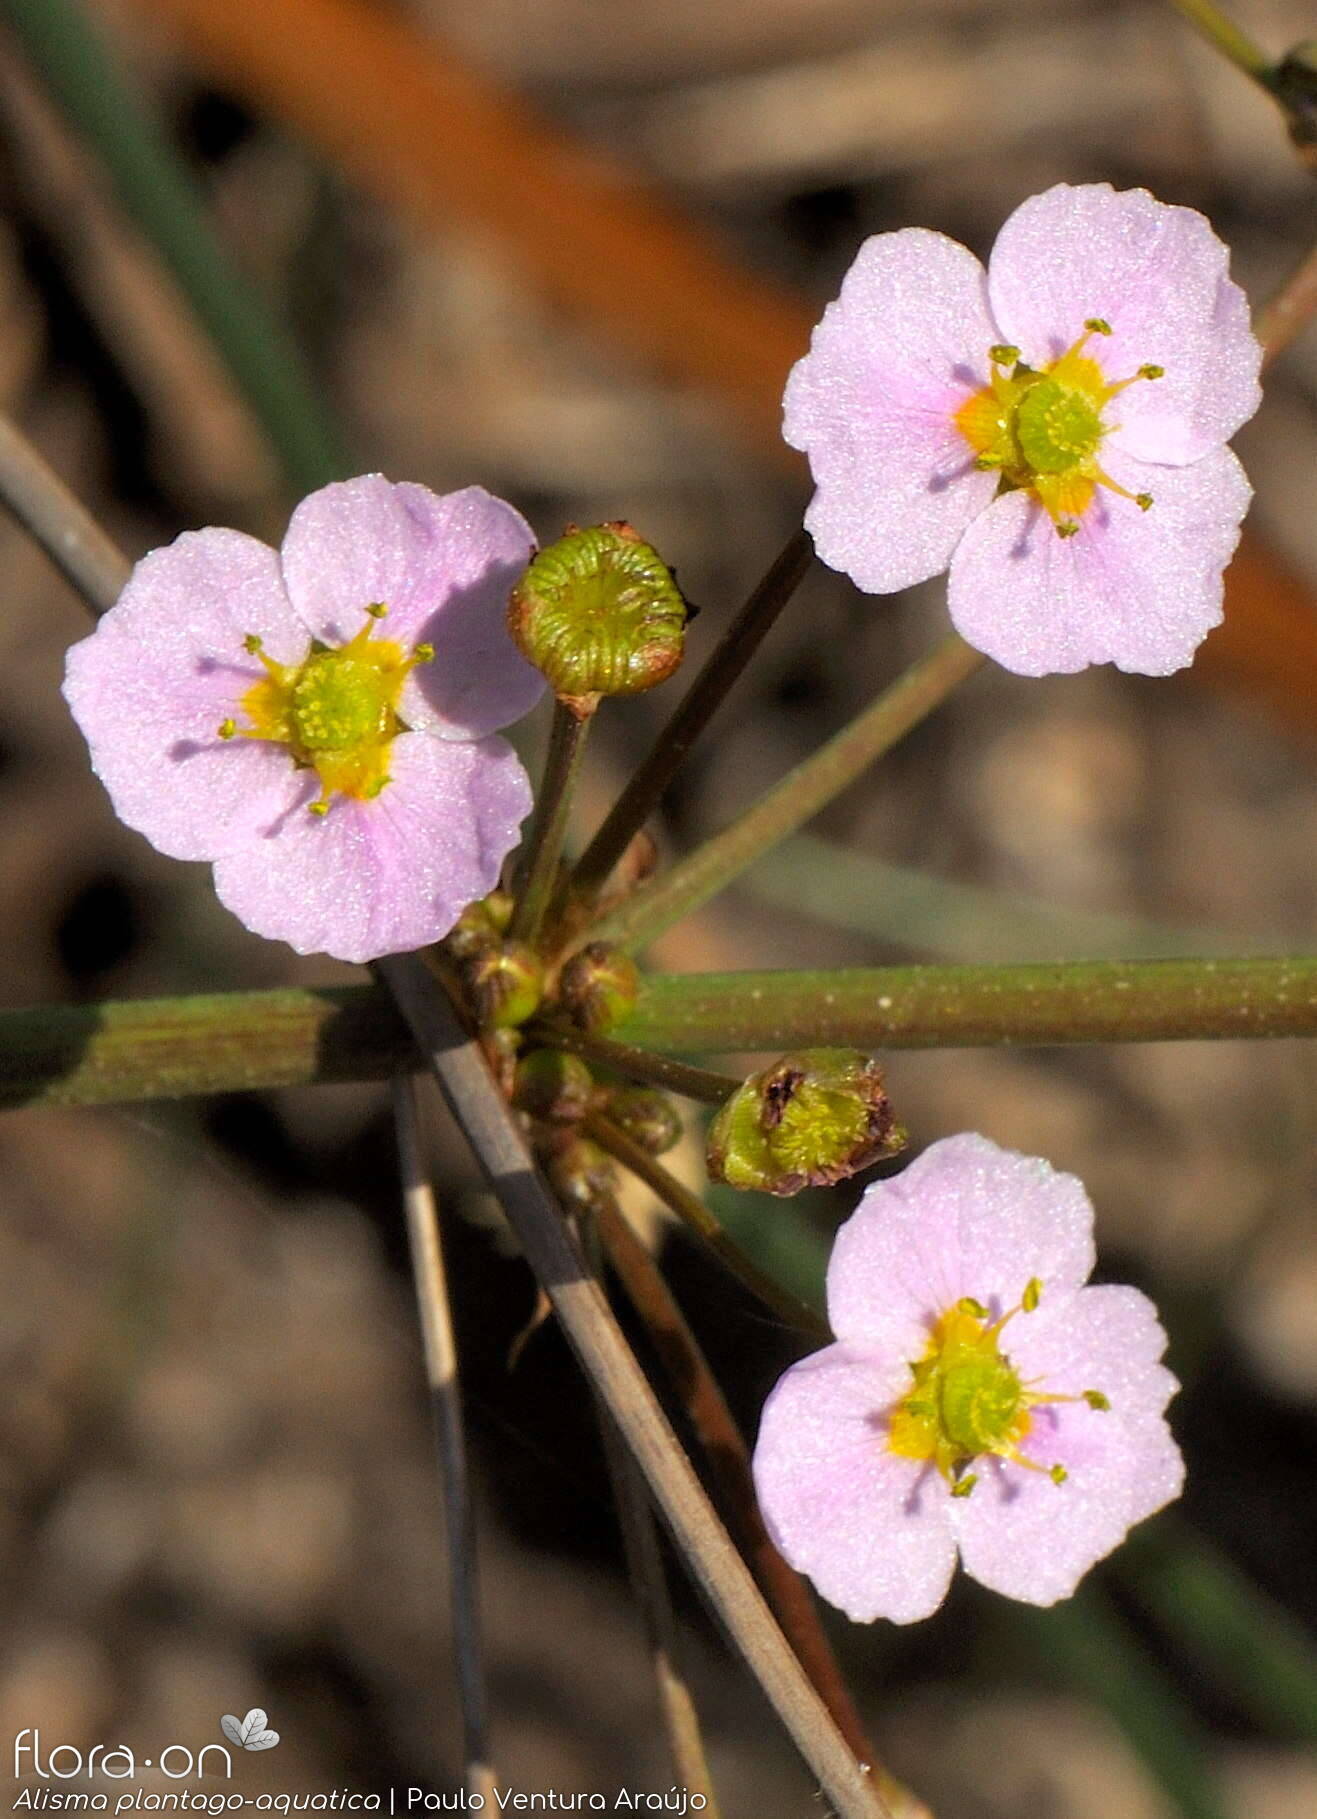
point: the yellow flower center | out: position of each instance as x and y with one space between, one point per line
1041 429
967 1399
336 711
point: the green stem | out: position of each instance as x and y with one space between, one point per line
538 871
637 1064
798 797
694 1214
166 204
1224 35
175 1048
701 701
976 1006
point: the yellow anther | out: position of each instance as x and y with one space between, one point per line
968 1305
1001 353
319 807
1033 1294
1095 1399
227 728
1068 527
963 1486
252 644
1151 372
378 610
1058 1474
1097 325
1143 501
424 653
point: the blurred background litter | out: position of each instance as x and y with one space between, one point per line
215 1455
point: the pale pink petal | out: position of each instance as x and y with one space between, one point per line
1029 1538
1137 589
873 405
165 666
965 1219
871 1529
444 566
1158 275
392 874
1107 1337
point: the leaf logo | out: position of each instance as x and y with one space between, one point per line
249 1733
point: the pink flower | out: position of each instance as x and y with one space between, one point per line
1053 429
317 722
979 1399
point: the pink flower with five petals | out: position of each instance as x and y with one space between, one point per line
1052 429
321 722
982 1399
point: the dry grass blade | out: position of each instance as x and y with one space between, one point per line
723 1576
440 1345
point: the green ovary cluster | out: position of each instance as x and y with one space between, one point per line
1057 427
1041 430
966 1398
968 1401
600 614
979 1401
336 711
817 1126
338 703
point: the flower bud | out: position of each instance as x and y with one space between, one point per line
506 984
481 925
580 1172
600 614
647 1115
812 1119
598 986
553 1086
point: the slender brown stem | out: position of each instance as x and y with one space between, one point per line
1285 316
799 796
649 1579
701 701
649 1585
692 1212
728 1457
637 1063
538 870
500 1147
440 1348
72 539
